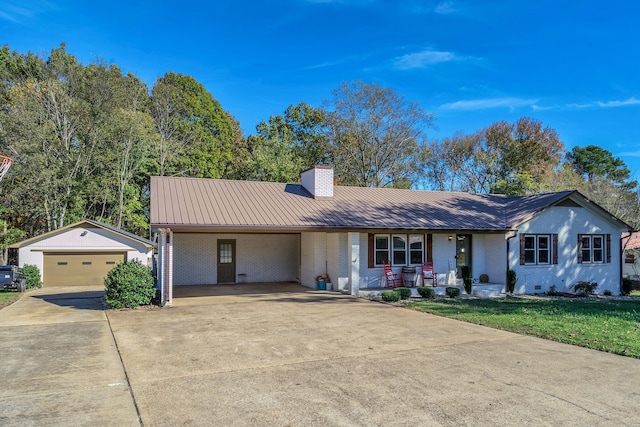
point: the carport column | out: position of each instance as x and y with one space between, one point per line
169 267
353 245
165 265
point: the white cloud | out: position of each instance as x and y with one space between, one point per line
630 154
483 104
608 104
422 59
445 8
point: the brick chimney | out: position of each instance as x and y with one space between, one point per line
319 182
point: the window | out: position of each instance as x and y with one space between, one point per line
538 249
382 249
399 249
416 248
592 248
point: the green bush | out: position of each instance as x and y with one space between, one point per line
512 278
390 296
552 292
426 292
452 292
585 288
607 293
405 293
32 274
129 285
627 286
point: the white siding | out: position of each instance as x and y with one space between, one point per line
261 257
489 254
567 222
338 260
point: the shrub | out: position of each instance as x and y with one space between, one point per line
405 293
32 274
585 288
129 285
607 293
627 286
552 291
452 292
426 292
512 278
390 296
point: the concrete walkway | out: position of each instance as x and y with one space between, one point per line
59 365
285 356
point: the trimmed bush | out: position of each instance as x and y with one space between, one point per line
129 285
426 292
452 292
390 296
405 293
466 278
607 293
32 274
627 286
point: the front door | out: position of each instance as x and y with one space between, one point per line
226 261
463 252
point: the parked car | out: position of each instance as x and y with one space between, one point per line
12 277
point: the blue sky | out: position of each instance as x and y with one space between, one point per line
573 65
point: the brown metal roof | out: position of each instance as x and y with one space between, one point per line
199 204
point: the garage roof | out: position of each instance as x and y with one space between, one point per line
198 204
85 223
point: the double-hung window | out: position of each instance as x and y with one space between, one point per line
537 249
399 249
592 248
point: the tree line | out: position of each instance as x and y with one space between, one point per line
86 139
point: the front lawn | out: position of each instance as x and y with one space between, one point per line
7 297
612 326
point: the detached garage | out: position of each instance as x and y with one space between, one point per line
83 253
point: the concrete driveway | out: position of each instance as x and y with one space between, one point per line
300 358
292 357
59 365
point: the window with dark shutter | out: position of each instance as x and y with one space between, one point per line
579 248
522 257
608 255
429 247
555 248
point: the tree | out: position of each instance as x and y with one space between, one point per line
375 136
195 132
518 156
595 163
273 155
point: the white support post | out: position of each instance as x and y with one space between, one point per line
353 244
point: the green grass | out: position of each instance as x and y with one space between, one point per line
8 297
612 326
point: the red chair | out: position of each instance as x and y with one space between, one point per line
392 279
429 274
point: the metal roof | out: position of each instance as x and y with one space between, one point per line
200 204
